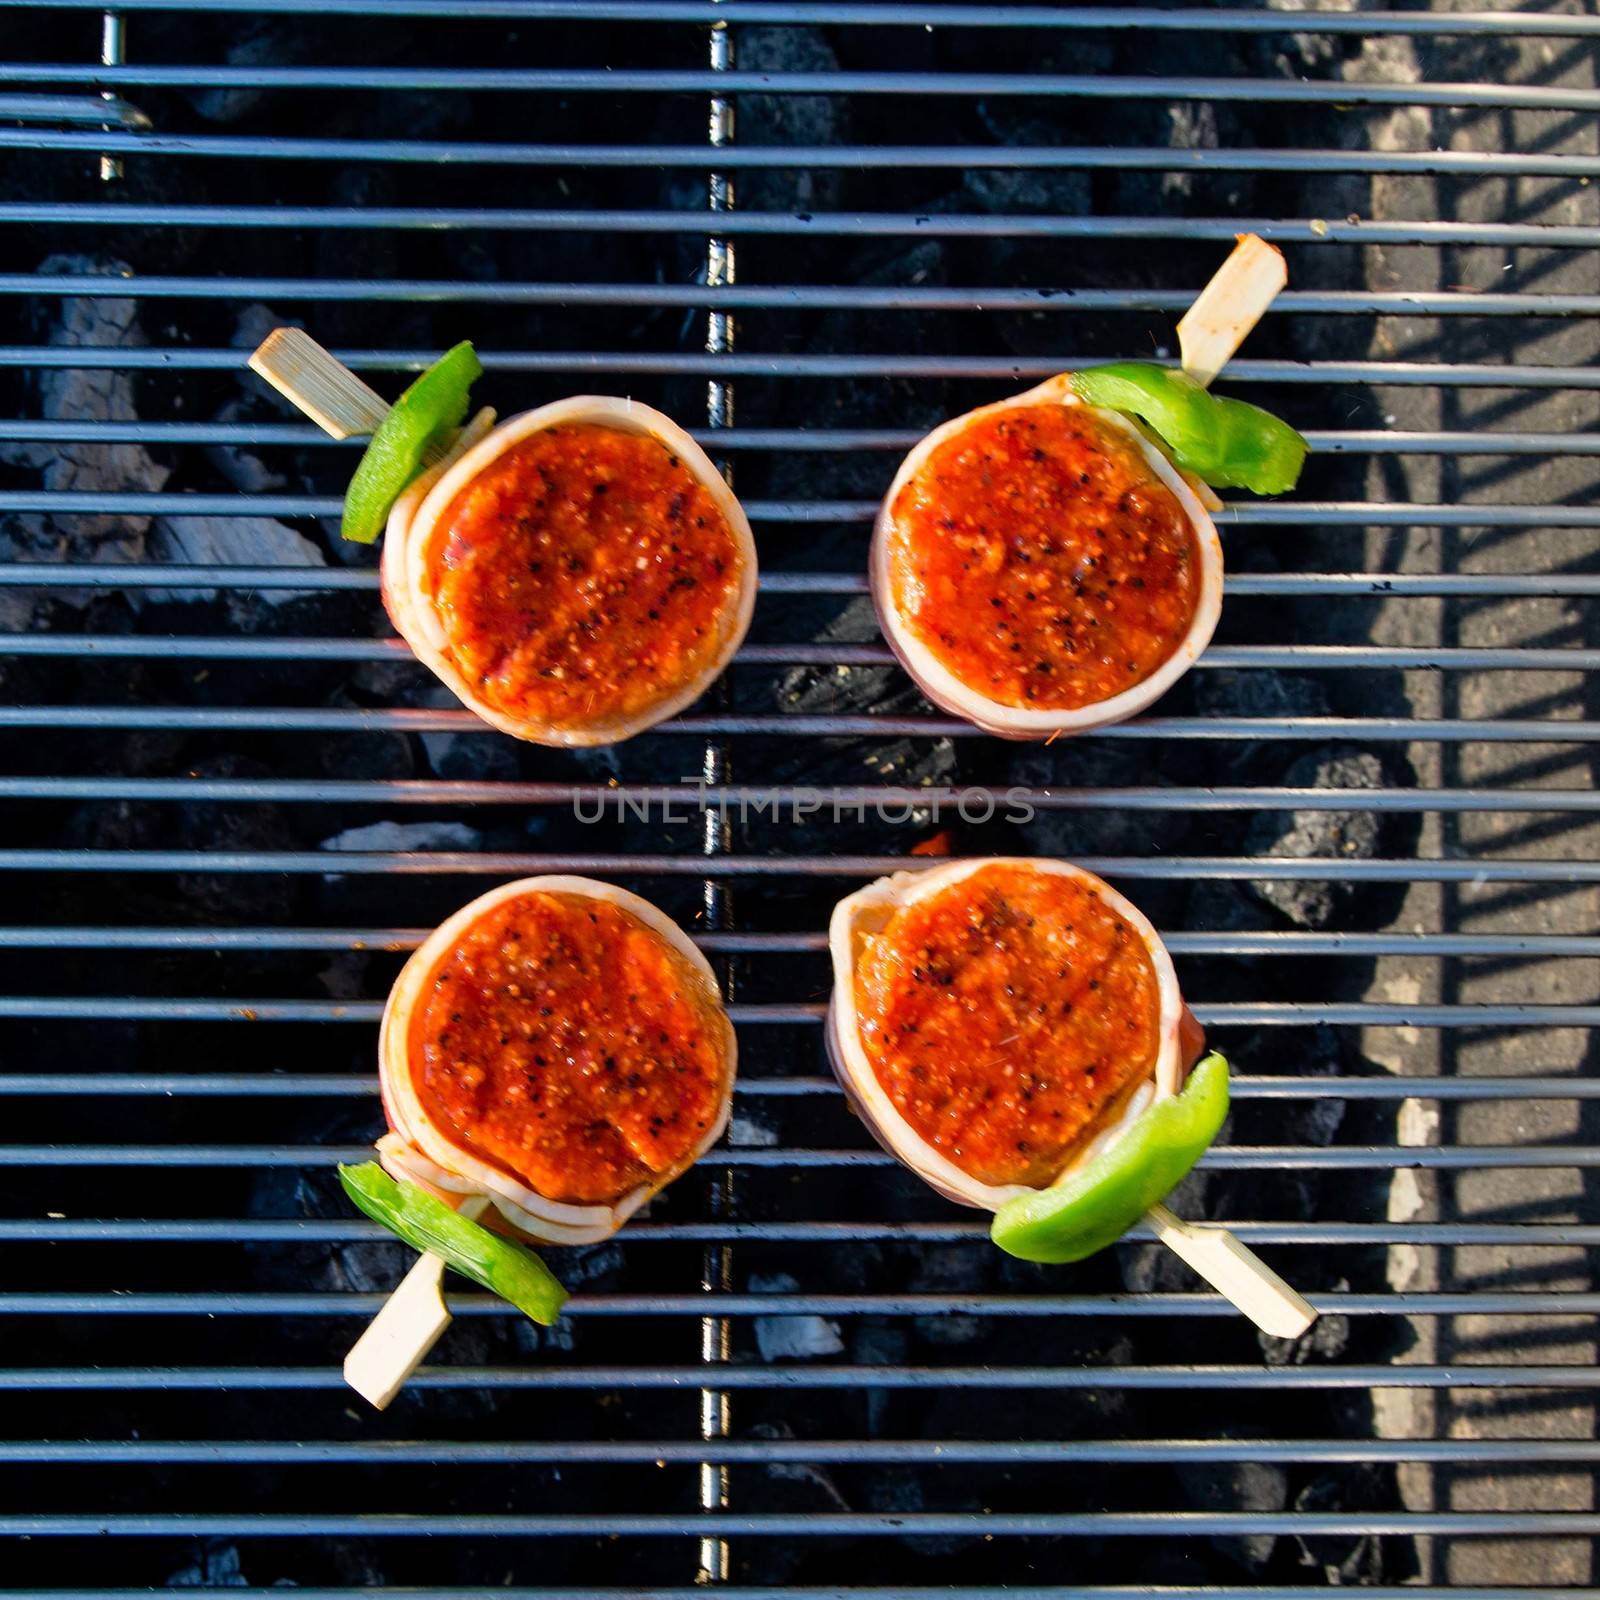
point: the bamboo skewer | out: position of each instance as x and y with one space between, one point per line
1211 330
1230 306
399 1338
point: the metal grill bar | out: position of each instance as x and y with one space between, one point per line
892 224
529 80
302 1231
1243 1379
1329 441
745 297
1006 368
503 864
1221 1158
1463 163
1354 585
731 12
1278 942
127 1303
1133 1524
875 1451
1244 1087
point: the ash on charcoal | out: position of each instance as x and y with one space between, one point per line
1231 693
800 1338
248 473
749 1133
89 395
1243 1486
1340 835
215 1566
231 541
406 836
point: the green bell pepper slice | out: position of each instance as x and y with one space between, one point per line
434 406
498 1265
1104 1198
1230 444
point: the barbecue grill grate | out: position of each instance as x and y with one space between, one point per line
232 802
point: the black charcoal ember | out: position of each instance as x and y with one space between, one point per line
258 43
480 752
792 1338
1231 693
1243 1486
247 472
368 754
84 395
878 1343
405 837
213 541
822 1492
951 1271
1338 835
789 119
1085 765
1325 1340
225 827
898 1490
1350 1558
216 1565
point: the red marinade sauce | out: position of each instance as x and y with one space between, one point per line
1041 560
585 573
569 1045
1006 1013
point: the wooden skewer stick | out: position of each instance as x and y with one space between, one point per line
1235 1271
399 1338
1230 306
1211 330
320 385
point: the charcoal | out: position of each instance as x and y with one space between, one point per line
224 827
1103 829
215 1565
1231 693
406 836
76 467
1340 835
483 754
789 119
247 472
1325 1340
1350 1558
231 541
791 1338
368 754
950 1270
747 1132
1241 1486
904 1490
258 43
